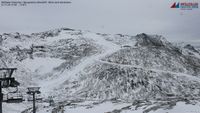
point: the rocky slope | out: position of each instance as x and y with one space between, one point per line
74 64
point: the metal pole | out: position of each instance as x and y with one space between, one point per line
34 110
1 98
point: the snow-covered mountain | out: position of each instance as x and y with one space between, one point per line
75 65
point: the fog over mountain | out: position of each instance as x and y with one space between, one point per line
111 17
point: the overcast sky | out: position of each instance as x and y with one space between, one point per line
106 16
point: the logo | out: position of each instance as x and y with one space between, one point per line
175 5
185 5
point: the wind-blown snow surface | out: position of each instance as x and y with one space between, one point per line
42 65
77 66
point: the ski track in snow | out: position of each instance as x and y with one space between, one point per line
109 48
191 77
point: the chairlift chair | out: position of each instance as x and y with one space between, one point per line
38 98
30 98
14 98
7 80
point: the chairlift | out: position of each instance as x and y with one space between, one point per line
14 91
5 84
14 83
30 99
14 98
7 80
10 82
38 98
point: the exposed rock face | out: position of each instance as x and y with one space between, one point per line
150 40
1 39
191 48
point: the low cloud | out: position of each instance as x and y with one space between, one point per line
106 16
